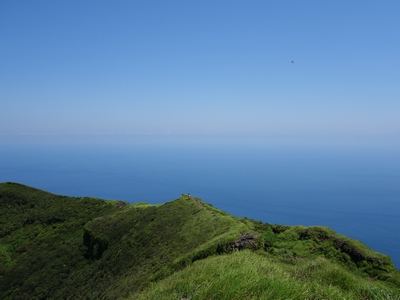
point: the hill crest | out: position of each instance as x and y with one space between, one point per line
73 247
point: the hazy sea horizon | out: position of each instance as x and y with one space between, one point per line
351 186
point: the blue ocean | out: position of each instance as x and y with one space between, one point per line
354 188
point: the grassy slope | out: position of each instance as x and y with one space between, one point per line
290 262
146 244
249 275
41 237
63 247
85 248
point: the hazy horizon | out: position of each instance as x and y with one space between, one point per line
204 67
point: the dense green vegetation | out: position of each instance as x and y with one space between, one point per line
249 275
62 247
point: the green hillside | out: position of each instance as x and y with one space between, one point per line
58 247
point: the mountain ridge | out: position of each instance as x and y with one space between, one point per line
61 247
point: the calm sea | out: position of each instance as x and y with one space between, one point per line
353 188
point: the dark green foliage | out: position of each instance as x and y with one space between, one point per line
62 247
269 238
297 242
42 235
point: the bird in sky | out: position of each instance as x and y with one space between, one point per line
292 62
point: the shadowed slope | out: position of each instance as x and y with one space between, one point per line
62 247
83 247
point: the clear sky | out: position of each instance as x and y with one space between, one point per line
126 67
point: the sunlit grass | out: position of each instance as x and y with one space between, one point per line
247 275
60 247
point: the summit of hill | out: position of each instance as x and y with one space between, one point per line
59 247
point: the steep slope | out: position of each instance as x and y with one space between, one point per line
143 244
62 247
41 239
288 262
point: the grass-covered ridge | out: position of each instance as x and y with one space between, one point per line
249 275
57 246
62 247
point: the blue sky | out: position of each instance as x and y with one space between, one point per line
200 67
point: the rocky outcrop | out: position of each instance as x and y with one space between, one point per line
120 204
245 240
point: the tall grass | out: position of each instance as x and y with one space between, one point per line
60 247
248 275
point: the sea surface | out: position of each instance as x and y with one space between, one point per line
352 187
